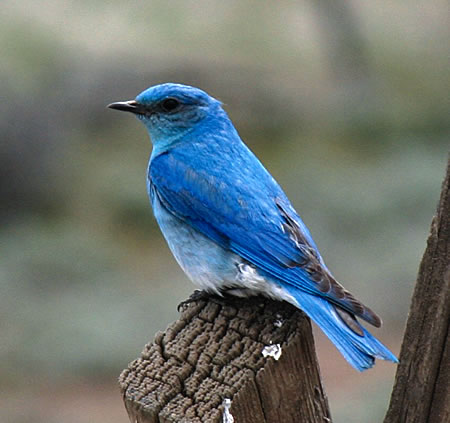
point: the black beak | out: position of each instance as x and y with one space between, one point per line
128 106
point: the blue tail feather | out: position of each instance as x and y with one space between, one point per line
359 351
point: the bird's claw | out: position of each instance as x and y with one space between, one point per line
201 295
197 295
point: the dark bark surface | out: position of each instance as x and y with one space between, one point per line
421 391
214 353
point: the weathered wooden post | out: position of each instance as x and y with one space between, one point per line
243 361
422 383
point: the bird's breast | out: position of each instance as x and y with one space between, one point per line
210 266
207 264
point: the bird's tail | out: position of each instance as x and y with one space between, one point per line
354 342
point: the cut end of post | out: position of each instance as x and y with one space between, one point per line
223 362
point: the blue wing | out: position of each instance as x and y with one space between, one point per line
243 209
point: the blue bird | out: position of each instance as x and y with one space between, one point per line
229 224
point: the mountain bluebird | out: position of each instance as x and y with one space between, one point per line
229 224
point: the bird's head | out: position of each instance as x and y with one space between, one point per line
170 110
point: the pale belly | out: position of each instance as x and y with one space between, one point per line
211 267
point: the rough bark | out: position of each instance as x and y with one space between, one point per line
421 392
214 352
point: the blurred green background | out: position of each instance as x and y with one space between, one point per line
345 102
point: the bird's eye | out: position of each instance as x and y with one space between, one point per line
170 104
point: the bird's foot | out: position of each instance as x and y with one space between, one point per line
197 295
202 295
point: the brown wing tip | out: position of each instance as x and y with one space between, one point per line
377 321
362 310
370 316
349 320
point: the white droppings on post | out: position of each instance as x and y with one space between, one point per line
273 351
227 417
279 321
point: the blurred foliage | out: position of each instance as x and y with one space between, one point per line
345 102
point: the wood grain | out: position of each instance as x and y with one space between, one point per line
422 385
214 352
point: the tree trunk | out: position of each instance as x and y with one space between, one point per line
243 361
421 391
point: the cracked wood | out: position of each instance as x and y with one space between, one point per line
214 352
422 389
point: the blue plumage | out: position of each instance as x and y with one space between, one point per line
229 224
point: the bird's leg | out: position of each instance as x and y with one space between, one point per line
202 295
197 295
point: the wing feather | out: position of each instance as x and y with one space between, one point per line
258 223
